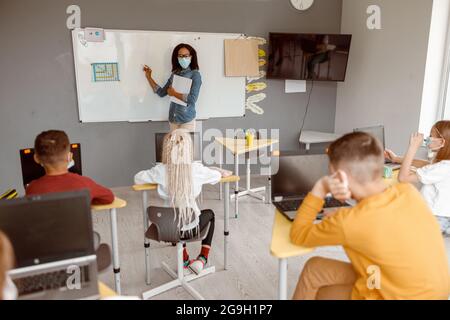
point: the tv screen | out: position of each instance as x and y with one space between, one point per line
318 57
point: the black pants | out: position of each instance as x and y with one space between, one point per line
206 216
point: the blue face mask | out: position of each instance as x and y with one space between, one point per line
427 142
184 62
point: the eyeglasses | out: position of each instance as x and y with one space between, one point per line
184 56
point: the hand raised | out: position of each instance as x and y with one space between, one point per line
416 140
148 71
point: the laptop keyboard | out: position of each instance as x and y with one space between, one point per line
289 205
47 281
293 205
333 203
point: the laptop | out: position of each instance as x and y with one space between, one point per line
296 176
196 140
379 133
52 238
32 170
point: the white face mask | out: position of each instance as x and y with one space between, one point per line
10 290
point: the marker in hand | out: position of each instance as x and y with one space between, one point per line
148 71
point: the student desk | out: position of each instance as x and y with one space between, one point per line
145 188
311 137
239 147
112 208
105 291
282 247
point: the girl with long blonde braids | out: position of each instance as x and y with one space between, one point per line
180 181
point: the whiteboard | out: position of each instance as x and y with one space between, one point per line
131 98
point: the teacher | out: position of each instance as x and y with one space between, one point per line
184 64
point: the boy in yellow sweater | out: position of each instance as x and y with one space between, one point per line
391 237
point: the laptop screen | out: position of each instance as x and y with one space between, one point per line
49 228
196 139
377 132
297 174
32 171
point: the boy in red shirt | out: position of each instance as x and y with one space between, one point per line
52 151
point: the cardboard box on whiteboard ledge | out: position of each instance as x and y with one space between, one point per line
241 58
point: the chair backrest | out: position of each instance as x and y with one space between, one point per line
165 220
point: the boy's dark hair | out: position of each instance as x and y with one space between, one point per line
360 154
194 60
52 146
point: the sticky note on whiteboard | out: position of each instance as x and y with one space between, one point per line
295 86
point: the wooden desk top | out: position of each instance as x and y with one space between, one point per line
117 204
239 146
148 186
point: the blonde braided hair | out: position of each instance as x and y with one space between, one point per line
178 157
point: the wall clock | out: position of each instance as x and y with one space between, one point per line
302 5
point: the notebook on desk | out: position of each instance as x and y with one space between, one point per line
296 176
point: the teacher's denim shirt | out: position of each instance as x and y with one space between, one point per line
180 114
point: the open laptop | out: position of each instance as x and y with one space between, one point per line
32 171
379 133
52 238
296 176
196 140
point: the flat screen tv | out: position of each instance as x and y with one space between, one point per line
318 57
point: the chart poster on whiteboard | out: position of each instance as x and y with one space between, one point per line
103 72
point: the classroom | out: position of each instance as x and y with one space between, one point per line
225 150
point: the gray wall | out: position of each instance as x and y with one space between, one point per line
37 84
386 70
